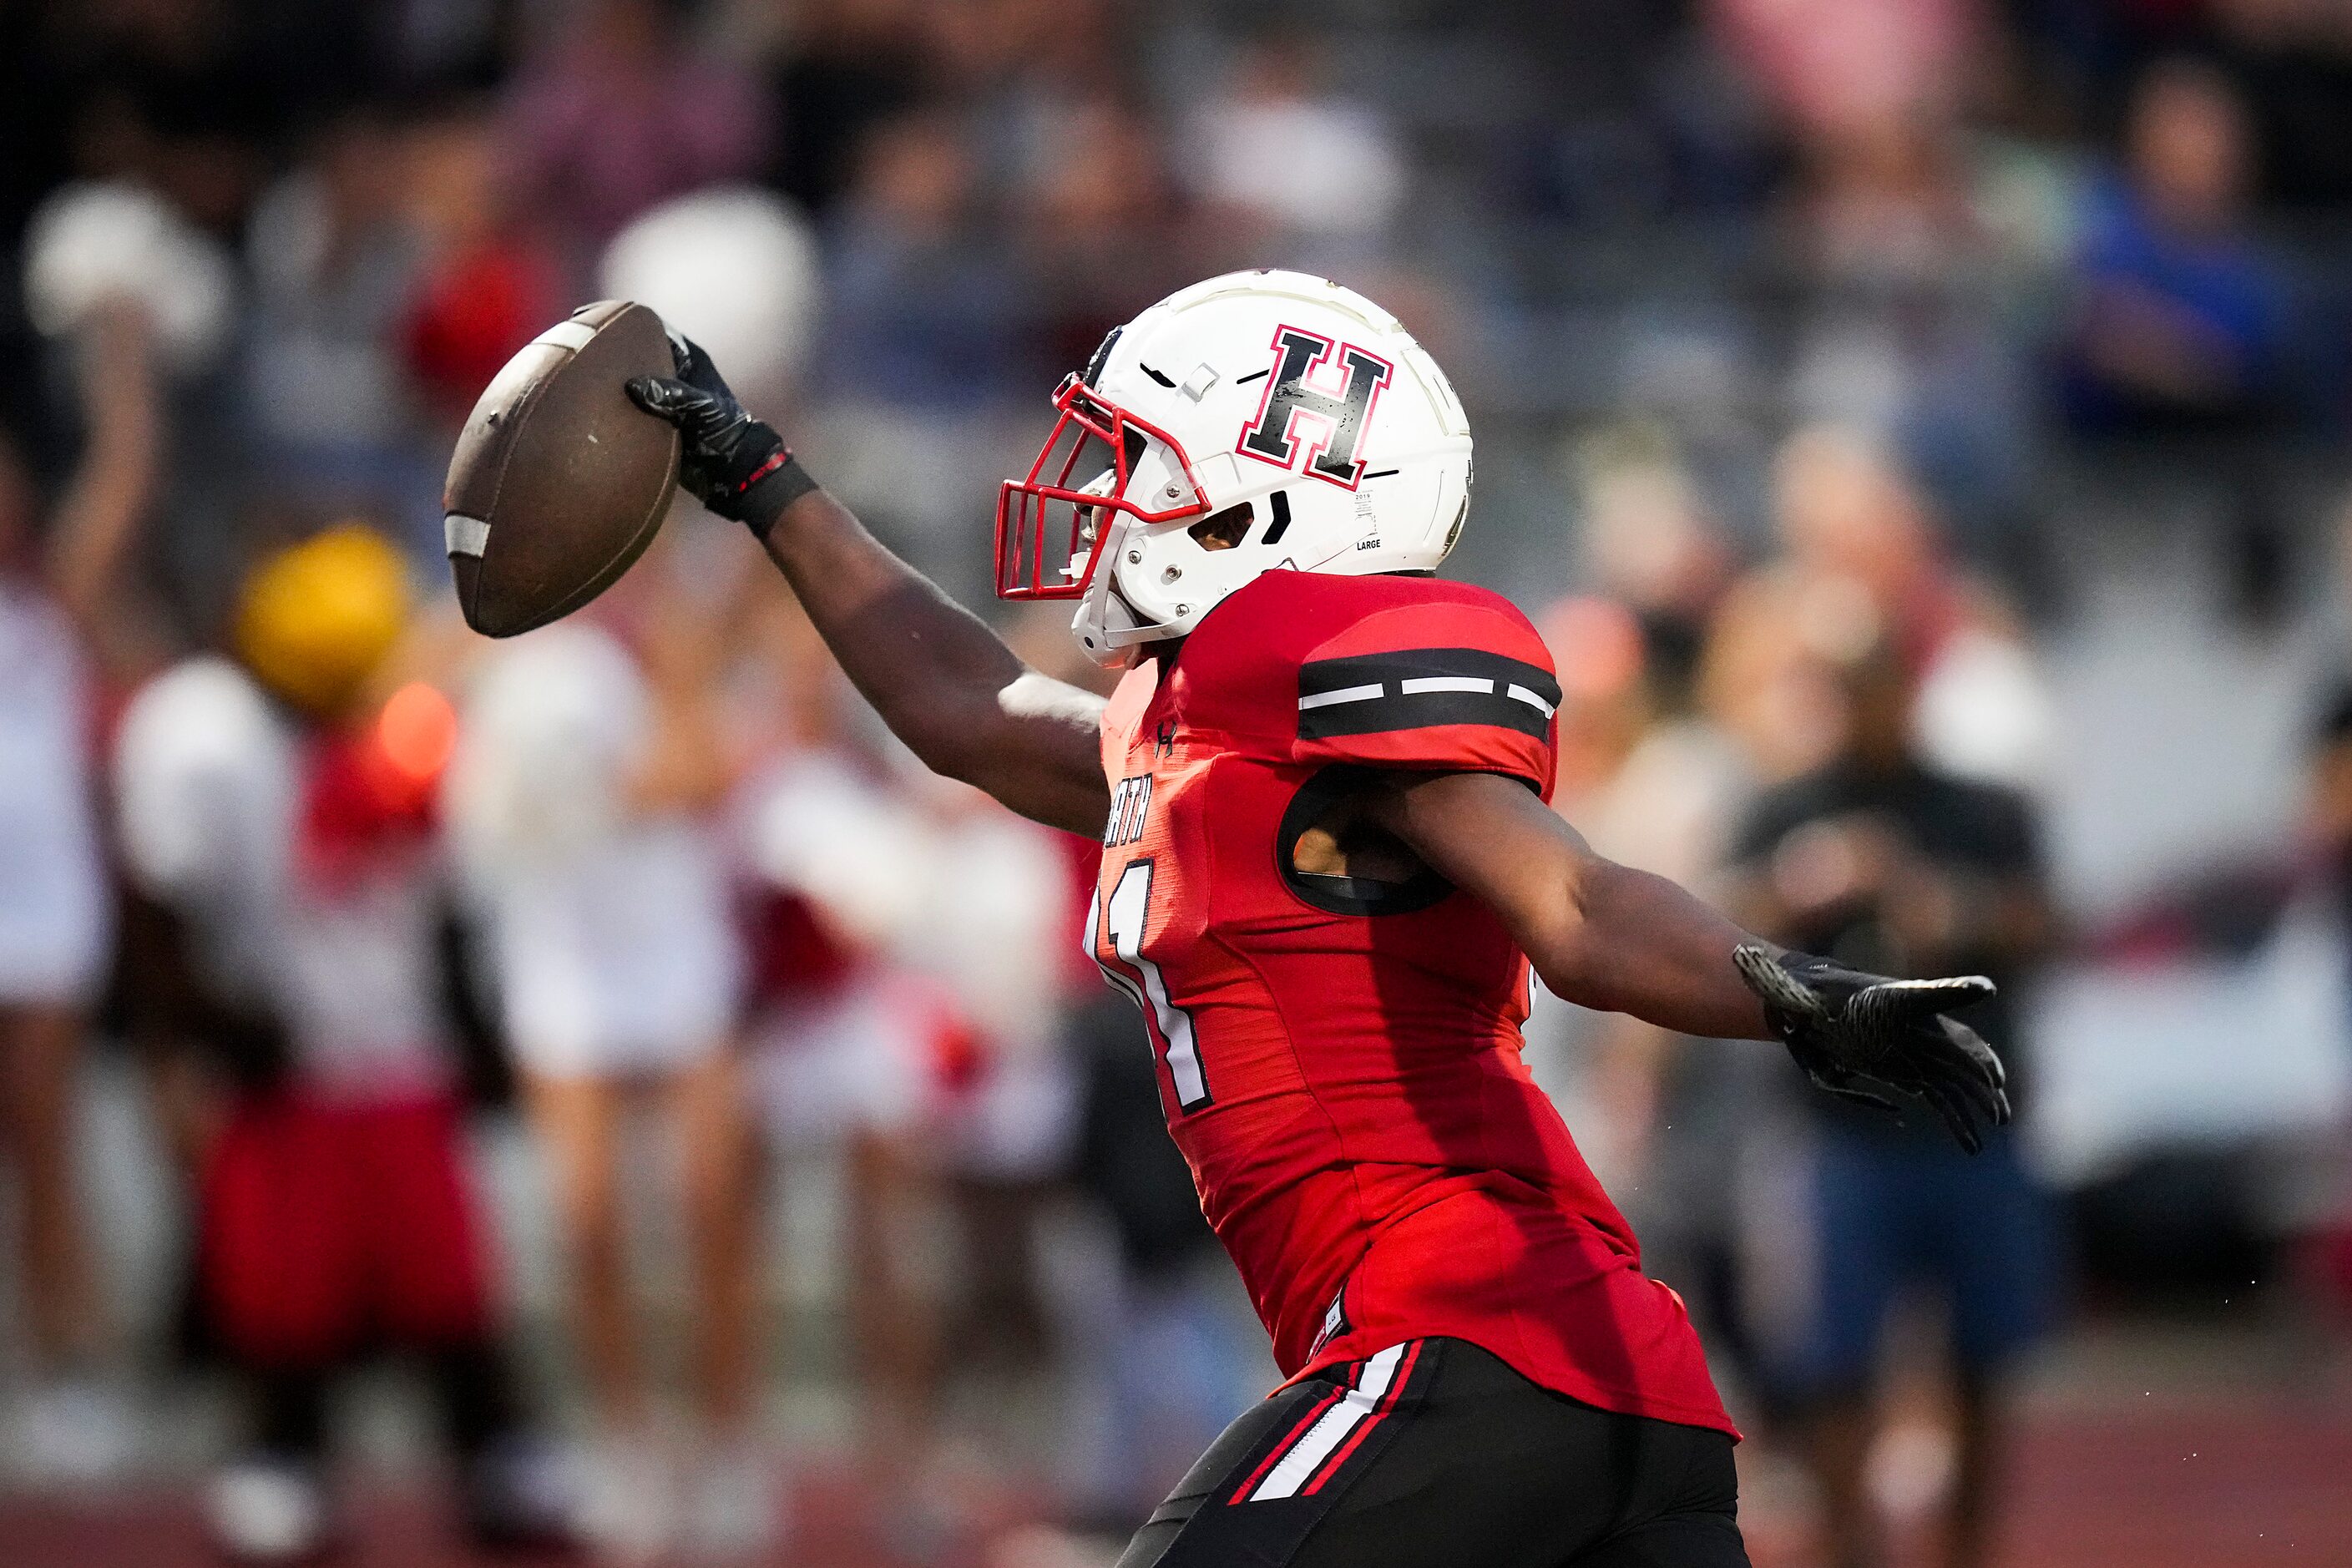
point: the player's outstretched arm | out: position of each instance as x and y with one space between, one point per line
1600 934
1607 936
945 684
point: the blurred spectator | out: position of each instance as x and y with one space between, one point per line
2179 320
1887 200
1597 644
618 113
334 257
1882 859
1648 117
1643 775
176 96
2292 62
36 108
924 342
1010 68
1864 560
1098 232
1910 255
1651 543
1001 1137
850 66
584 797
853 1058
922 312
485 287
1284 152
1836 65
896 1031
278 811
847 1056
1928 210
57 602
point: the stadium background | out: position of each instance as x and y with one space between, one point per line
2029 318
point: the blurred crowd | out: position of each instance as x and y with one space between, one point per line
1913 424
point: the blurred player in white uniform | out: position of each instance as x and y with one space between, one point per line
56 907
585 797
52 901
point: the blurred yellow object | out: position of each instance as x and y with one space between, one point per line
314 620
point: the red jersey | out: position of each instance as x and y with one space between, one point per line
1339 1059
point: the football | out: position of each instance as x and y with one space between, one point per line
559 481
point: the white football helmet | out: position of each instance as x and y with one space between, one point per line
1259 420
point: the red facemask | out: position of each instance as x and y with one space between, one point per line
1045 523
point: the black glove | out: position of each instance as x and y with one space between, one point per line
735 465
1857 1035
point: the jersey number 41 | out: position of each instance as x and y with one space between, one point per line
1115 941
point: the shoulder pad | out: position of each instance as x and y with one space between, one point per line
1399 672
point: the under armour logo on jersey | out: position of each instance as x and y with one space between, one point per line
1334 420
1129 803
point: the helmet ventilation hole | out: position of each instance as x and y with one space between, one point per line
1223 529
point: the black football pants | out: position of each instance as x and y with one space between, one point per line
1434 1453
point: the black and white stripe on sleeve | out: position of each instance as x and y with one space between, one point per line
1416 689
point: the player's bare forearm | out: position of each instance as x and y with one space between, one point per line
1600 934
1641 944
945 684
941 679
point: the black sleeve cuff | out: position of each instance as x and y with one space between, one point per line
765 501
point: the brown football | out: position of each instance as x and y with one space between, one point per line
559 481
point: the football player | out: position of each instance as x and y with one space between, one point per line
1328 865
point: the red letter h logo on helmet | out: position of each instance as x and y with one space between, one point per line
1336 420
